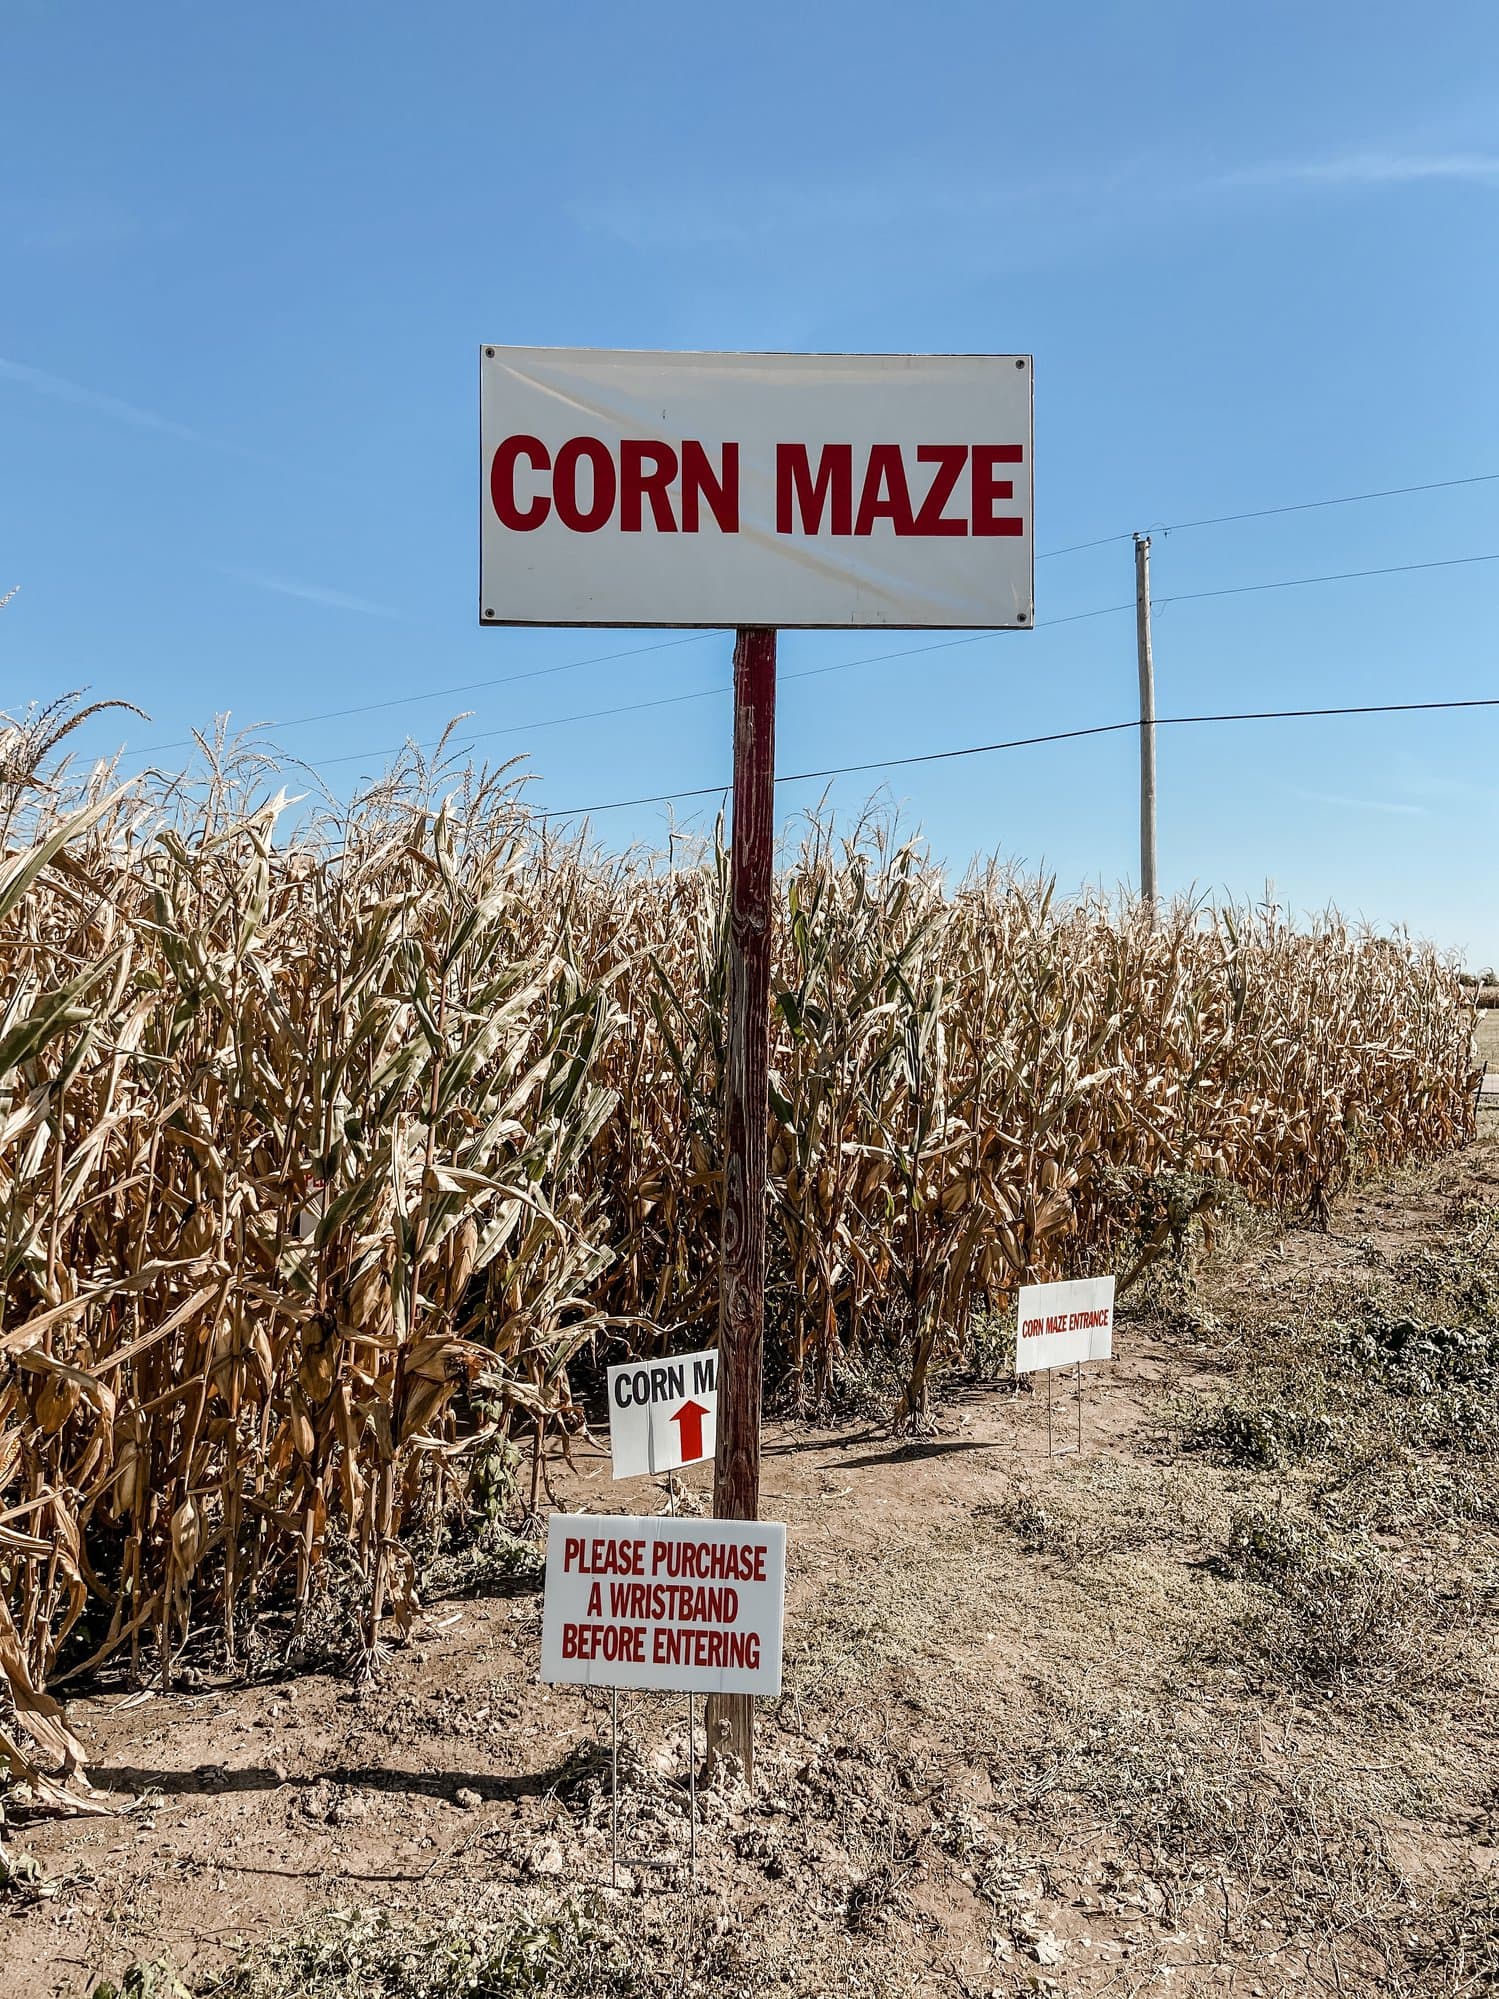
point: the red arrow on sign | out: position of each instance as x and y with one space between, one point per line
690 1416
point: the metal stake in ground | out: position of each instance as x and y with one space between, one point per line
691 1795
1079 1405
729 1719
614 1787
1051 1448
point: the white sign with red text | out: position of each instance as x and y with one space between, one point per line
755 489
663 1413
1061 1324
690 1606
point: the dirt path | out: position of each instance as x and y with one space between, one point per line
1016 1745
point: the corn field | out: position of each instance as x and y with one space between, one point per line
333 1140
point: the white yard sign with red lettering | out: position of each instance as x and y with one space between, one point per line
1061 1324
693 1606
755 489
662 1413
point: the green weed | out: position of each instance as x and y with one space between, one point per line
380 1954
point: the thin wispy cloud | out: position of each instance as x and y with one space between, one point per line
1368 170
71 225
738 213
1340 799
1442 788
63 391
59 389
312 593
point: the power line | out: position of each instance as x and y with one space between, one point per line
841 666
1031 742
561 721
726 687
694 638
630 707
1076 547
465 687
1267 513
939 645
1343 500
1338 576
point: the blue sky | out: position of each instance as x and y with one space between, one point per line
247 257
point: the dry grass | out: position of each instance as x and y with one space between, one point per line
327 1153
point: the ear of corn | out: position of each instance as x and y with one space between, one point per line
313 1143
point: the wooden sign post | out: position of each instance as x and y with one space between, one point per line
741 1297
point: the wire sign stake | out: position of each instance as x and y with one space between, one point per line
691 1793
614 1787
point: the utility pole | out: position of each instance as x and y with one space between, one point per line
730 1718
1147 723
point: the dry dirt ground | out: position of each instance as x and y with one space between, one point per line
1208 1707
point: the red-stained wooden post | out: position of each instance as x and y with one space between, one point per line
730 1724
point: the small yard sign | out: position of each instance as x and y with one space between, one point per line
1062 1324
662 1413
690 1605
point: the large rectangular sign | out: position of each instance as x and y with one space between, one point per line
662 1413
695 1606
755 489
1060 1324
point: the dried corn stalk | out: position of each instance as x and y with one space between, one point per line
325 1149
